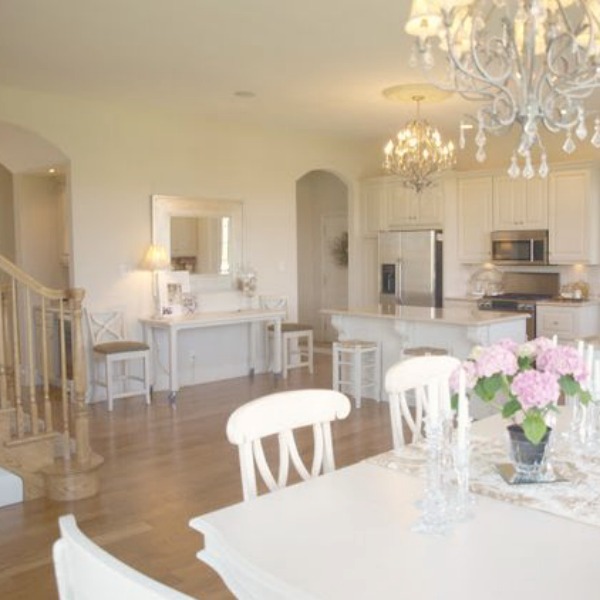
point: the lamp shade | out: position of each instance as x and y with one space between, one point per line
156 258
425 19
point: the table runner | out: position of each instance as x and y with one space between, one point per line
578 498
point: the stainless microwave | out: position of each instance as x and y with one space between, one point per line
520 247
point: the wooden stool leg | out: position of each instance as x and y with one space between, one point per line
336 367
310 352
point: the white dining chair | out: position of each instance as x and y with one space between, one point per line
84 571
411 381
281 414
112 348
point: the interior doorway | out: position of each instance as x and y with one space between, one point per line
322 249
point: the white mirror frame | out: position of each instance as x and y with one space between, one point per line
165 207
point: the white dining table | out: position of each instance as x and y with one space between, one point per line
349 534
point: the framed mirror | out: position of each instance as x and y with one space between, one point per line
201 236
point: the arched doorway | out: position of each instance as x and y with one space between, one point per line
322 249
34 205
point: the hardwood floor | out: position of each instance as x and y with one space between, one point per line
163 467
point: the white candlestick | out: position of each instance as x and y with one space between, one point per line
589 363
555 340
463 410
596 379
580 348
433 403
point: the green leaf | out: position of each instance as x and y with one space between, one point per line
525 363
511 407
454 401
569 386
534 427
487 387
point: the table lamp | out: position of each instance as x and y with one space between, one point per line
156 259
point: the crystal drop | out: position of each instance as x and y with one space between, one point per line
480 138
596 137
480 155
543 170
581 131
461 139
513 170
528 171
569 145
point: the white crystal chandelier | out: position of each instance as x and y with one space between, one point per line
418 153
533 62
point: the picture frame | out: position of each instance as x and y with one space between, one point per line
172 288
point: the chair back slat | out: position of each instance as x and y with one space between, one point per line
280 415
416 379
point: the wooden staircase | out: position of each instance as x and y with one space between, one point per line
44 428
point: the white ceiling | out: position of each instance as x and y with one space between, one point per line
316 64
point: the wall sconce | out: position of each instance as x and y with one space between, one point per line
156 259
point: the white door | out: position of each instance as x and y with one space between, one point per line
334 270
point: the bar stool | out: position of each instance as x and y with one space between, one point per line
356 368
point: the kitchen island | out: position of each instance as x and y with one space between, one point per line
456 330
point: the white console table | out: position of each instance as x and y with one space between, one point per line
173 325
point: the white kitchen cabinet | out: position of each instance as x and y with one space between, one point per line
567 321
474 218
373 200
520 203
573 217
407 209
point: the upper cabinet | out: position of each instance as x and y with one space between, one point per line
573 216
386 203
407 209
520 203
373 206
474 218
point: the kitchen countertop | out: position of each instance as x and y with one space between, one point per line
444 316
568 302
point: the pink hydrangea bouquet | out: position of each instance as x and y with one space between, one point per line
525 381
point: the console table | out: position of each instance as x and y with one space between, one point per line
173 325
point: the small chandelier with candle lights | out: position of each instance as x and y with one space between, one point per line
417 154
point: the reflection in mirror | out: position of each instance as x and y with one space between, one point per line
201 245
202 236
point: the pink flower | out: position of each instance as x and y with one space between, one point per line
535 389
468 366
562 360
496 359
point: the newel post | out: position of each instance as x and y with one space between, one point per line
81 417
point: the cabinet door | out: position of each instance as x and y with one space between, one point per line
430 207
407 209
520 203
402 206
474 219
373 205
570 218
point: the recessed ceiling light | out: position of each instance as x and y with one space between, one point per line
52 171
244 94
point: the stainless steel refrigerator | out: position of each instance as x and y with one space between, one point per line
410 268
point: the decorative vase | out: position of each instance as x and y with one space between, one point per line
529 459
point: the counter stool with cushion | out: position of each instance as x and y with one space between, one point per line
296 338
111 346
357 368
416 377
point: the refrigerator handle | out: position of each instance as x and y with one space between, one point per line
398 289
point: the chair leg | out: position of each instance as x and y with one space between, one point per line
147 378
109 383
310 352
357 376
286 355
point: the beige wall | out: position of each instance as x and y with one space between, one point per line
7 215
